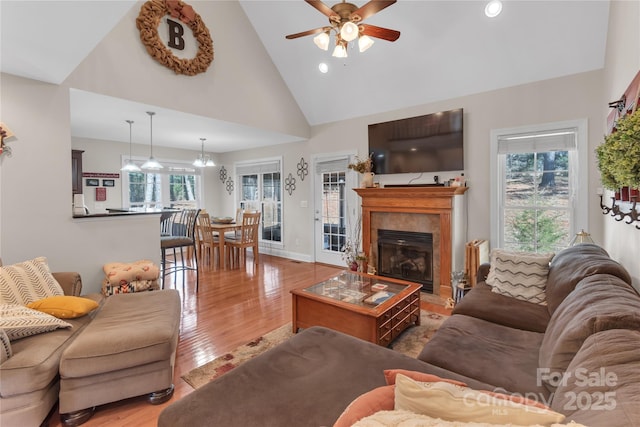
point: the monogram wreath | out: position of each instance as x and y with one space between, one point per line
148 20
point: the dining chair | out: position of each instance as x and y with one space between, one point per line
248 238
235 234
207 241
180 236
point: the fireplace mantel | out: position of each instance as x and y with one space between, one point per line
446 202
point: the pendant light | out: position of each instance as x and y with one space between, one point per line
130 166
203 160
152 163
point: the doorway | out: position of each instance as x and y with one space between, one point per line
335 208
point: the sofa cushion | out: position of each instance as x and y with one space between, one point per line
331 361
452 402
64 307
19 321
123 336
602 382
27 281
598 303
573 264
5 347
36 359
481 303
491 353
520 275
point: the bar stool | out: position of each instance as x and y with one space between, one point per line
178 234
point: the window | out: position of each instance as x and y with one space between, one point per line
261 189
176 186
536 200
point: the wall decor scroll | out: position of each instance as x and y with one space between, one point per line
229 186
303 168
290 184
148 21
223 174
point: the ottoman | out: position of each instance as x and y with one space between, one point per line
127 350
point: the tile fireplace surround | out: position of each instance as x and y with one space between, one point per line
437 210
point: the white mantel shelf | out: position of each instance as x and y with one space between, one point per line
420 200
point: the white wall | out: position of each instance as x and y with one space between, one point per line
36 193
622 63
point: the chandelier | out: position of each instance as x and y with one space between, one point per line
203 160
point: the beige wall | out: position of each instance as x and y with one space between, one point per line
622 63
35 183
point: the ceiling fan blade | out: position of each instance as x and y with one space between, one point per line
323 8
306 33
374 6
379 32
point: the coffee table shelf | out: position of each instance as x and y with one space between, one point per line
341 303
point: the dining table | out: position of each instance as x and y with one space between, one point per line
221 228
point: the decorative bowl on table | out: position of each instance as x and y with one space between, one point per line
223 219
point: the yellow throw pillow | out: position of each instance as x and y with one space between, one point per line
64 307
453 402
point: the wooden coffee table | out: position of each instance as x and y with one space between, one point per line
373 308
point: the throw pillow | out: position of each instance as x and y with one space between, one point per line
398 418
378 399
5 347
27 281
390 377
456 403
18 321
64 307
521 275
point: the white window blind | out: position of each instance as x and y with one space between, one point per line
337 165
271 166
561 140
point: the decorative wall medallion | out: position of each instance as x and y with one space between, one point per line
223 174
290 184
303 168
229 186
148 21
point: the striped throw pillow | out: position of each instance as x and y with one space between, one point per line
18 321
5 347
27 281
520 275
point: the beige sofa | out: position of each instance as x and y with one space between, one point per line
119 367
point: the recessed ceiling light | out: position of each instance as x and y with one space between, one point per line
493 8
323 67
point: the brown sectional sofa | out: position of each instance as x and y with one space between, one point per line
580 354
124 348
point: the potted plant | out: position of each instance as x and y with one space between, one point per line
619 156
364 166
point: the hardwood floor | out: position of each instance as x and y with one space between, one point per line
231 308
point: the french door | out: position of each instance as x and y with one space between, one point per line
335 207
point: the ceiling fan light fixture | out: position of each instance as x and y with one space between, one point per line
364 43
322 40
340 51
349 31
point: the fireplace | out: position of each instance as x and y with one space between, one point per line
440 211
406 255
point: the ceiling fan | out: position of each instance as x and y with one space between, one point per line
345 21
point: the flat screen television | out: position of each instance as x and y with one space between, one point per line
429 143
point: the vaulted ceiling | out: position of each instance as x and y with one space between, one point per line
446 49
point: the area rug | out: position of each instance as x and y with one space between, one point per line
410 342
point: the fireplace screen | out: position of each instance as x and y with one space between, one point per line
406 255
